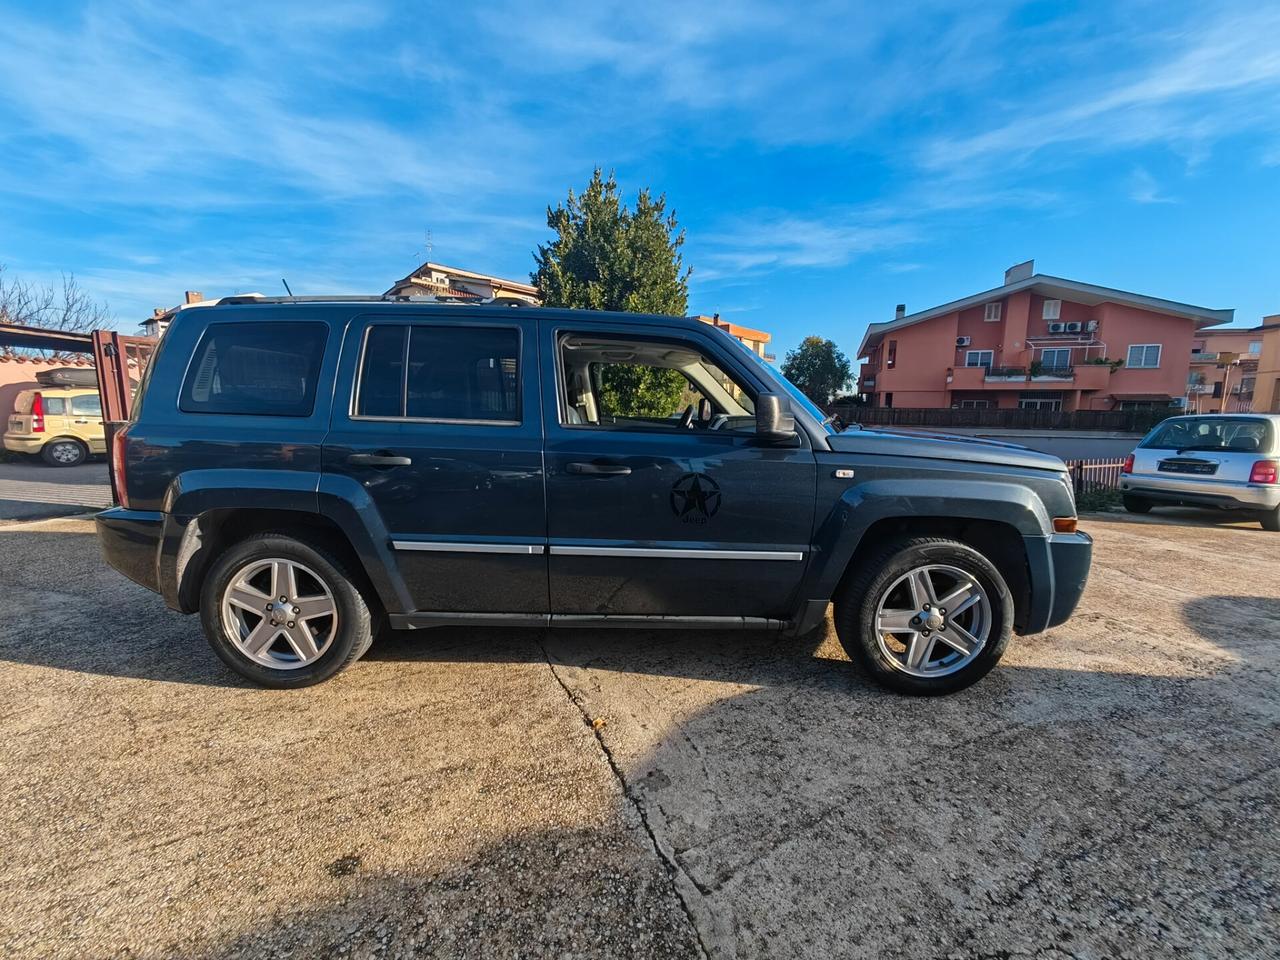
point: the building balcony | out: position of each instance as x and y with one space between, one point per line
1053 374
1005 374
1083 377
867 376
1216 358
1199 389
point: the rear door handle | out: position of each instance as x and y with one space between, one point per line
378 460
599 469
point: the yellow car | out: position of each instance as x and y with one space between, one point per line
63 424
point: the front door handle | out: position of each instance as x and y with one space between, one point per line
378 460
599 469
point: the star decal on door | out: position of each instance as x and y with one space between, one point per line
695 498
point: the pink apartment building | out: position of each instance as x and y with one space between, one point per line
1036 342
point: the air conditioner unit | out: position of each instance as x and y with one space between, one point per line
1091 325
1057 327
963 341
1073 326
1178 402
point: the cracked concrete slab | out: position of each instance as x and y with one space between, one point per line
1108 792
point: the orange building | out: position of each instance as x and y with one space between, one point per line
1224 369
756 341
1036 342
1266 388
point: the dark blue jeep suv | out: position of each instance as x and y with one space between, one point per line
301 472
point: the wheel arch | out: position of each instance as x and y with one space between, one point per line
994 517
202 520
999 542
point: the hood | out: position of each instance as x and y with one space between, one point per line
942 446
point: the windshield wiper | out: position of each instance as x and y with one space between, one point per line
1201 446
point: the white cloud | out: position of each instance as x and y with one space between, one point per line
1143 188
1190 90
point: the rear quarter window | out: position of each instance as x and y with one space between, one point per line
255 368
54 406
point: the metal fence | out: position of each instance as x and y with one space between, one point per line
1123 421
1092 476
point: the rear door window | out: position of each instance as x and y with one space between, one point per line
87 405
255 368
443 373
54 406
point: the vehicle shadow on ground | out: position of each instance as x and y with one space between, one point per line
805 812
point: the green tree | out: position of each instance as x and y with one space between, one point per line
606 256
818 368
635 390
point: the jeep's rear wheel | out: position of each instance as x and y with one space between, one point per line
1136 504
284 612
925 616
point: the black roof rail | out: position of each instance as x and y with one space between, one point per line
249 298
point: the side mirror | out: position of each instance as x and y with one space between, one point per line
774 420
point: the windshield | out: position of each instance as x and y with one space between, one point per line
1239 434
794 392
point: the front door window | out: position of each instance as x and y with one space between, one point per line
648 385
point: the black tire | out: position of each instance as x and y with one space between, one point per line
64 452
858 598
1135 504
355 621
1270 520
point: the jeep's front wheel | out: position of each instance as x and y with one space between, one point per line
283 612
925 616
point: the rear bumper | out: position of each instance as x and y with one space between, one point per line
130 541
1206 492
1059 569
20 444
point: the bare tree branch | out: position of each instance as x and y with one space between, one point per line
54 306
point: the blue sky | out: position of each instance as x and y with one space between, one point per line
828 160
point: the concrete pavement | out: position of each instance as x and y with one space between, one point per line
1109 791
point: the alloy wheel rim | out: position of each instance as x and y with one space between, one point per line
279 613
933 620
65 452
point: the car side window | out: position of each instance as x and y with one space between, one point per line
640 383
55 406
87 405
440 373
255 368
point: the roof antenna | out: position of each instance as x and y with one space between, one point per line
286 287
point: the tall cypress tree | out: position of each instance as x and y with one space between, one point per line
606 256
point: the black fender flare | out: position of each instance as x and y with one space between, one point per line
339 499
838 535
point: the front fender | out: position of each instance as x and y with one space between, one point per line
841 531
